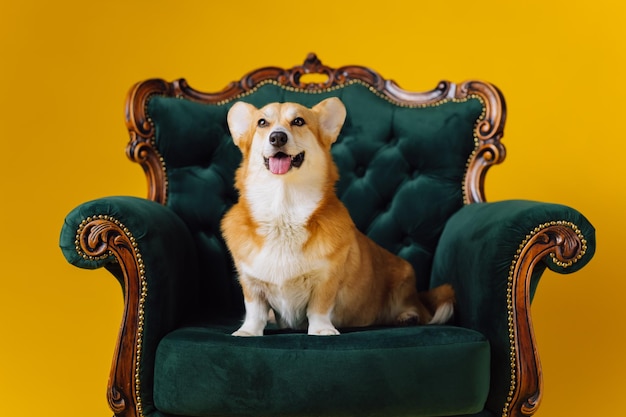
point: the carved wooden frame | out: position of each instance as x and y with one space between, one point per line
101 236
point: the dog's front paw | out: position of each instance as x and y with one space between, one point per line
246 333
328 331
321 325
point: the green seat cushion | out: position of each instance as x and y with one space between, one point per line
426 371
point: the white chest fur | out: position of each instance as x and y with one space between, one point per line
282 213
281 267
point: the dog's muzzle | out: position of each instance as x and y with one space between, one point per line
281 163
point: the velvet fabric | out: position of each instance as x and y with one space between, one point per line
203 371
401 175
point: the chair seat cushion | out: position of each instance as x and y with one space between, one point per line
204 371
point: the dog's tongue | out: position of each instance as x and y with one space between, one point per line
280 164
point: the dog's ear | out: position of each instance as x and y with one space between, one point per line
332 114
240 120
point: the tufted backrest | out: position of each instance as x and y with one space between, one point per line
402 170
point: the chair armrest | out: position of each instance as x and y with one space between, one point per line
494 254
151 252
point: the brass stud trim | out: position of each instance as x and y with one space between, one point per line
472 155
371 88
152 141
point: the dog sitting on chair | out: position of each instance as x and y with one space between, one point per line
294 244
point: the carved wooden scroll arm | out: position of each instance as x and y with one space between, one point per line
98 237
558 242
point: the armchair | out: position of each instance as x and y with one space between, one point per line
412 168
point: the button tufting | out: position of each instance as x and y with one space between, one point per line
360 171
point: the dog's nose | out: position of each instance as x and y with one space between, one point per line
278 139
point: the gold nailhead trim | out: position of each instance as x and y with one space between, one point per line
142 297
341 86
509 295
476 141
152 141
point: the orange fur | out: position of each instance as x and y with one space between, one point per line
294 244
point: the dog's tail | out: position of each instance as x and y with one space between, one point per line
440 302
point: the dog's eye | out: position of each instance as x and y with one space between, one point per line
262 123
298 121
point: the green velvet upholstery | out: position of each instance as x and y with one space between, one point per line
408 371
401 175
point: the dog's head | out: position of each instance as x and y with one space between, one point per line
286 136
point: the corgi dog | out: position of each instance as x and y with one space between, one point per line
295 247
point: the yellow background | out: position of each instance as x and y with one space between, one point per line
65 68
